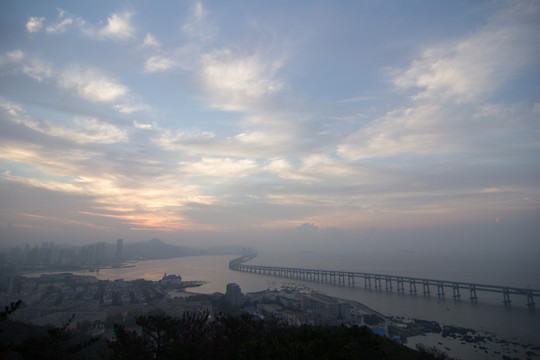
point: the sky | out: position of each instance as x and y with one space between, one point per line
331 122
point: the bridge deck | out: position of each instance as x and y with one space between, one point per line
339 277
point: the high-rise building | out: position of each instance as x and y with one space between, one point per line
101 251
44 254
234 294
119 244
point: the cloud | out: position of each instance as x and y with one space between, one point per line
59 27
59 220
137 205
476 65
85 130
35 24
322 167
12 110
89 131
118 27
449 110
199 34
105 183
198 11
91 84
47 185
283 168
140 125
196 26
131 105
220 167
415 130
150 41
444 129
49 161
234 80
15 56
183 139
265 140
282 160
158 63
231 77
38 69
263 143
34 68
491 190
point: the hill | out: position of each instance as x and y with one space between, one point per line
157 249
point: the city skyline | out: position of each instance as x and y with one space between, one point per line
139 120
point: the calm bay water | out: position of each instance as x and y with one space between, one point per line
516 323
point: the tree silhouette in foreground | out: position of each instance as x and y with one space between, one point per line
56 343
244 337
201 336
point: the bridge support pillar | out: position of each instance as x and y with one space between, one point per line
425 287
388 282
530 300
440 289
412 286
455 291
473 296
506 296
400 287
367 281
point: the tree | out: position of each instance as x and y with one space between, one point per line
128 345
432 353
225 337
58 344
3 317
9 309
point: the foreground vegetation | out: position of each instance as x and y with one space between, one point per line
200 336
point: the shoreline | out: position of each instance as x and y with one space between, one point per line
446 337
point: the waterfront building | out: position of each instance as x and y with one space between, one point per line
233 294
326 306
170 280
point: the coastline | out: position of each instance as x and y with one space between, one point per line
489 318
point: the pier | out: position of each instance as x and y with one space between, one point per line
401 284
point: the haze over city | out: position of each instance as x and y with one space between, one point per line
324 125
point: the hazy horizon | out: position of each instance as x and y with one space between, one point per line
388 126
